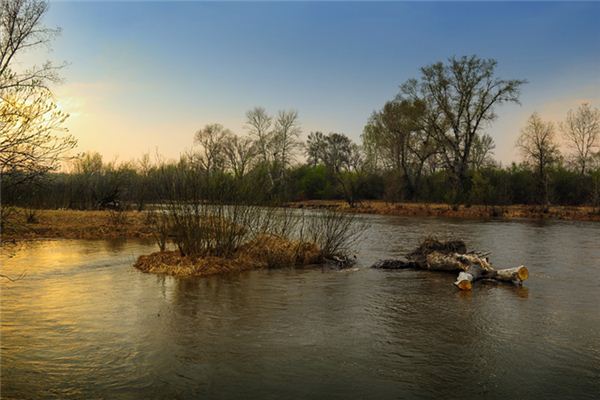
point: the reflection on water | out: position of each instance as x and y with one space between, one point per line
84 324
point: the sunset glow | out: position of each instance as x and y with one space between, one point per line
133 88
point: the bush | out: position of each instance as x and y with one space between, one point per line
334 232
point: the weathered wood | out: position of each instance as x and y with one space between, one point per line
471 274
516 275
452 256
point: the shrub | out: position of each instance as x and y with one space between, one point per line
334 232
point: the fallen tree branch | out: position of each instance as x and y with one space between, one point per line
452 256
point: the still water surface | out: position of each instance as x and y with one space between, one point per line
84 324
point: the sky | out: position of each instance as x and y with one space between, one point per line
142 77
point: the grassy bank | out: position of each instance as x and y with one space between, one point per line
579 213
71 224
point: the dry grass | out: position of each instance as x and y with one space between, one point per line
71 224
172 263
581 213
265 252
276 252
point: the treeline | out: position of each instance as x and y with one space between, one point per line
427 144
129 186
235 169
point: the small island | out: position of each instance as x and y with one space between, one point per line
266 251
198 238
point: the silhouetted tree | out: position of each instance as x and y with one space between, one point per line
315 147
581 130
32 137
259 123
211 152
286 133
241 152
540 151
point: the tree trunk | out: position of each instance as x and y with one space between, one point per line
473 273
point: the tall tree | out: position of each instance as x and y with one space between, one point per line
286 138
460 98
540 151
259 123
581 130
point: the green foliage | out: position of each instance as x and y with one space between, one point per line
310 182
570 187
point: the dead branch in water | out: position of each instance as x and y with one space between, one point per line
452 256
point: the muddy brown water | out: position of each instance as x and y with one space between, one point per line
83 323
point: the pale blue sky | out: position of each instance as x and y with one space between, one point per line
146 75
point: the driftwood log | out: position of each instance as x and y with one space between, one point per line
452 256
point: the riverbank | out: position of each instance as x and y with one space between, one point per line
72 224
579 213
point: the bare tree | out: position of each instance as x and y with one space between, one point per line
241 153
483 149
460 97
211 154
32 140
581 129
259 123
539 149
286 134
21 29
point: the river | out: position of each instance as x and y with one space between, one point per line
82 323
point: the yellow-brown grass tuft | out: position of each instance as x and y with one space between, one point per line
277 252
172 263
266 251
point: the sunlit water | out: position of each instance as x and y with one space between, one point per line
83 323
